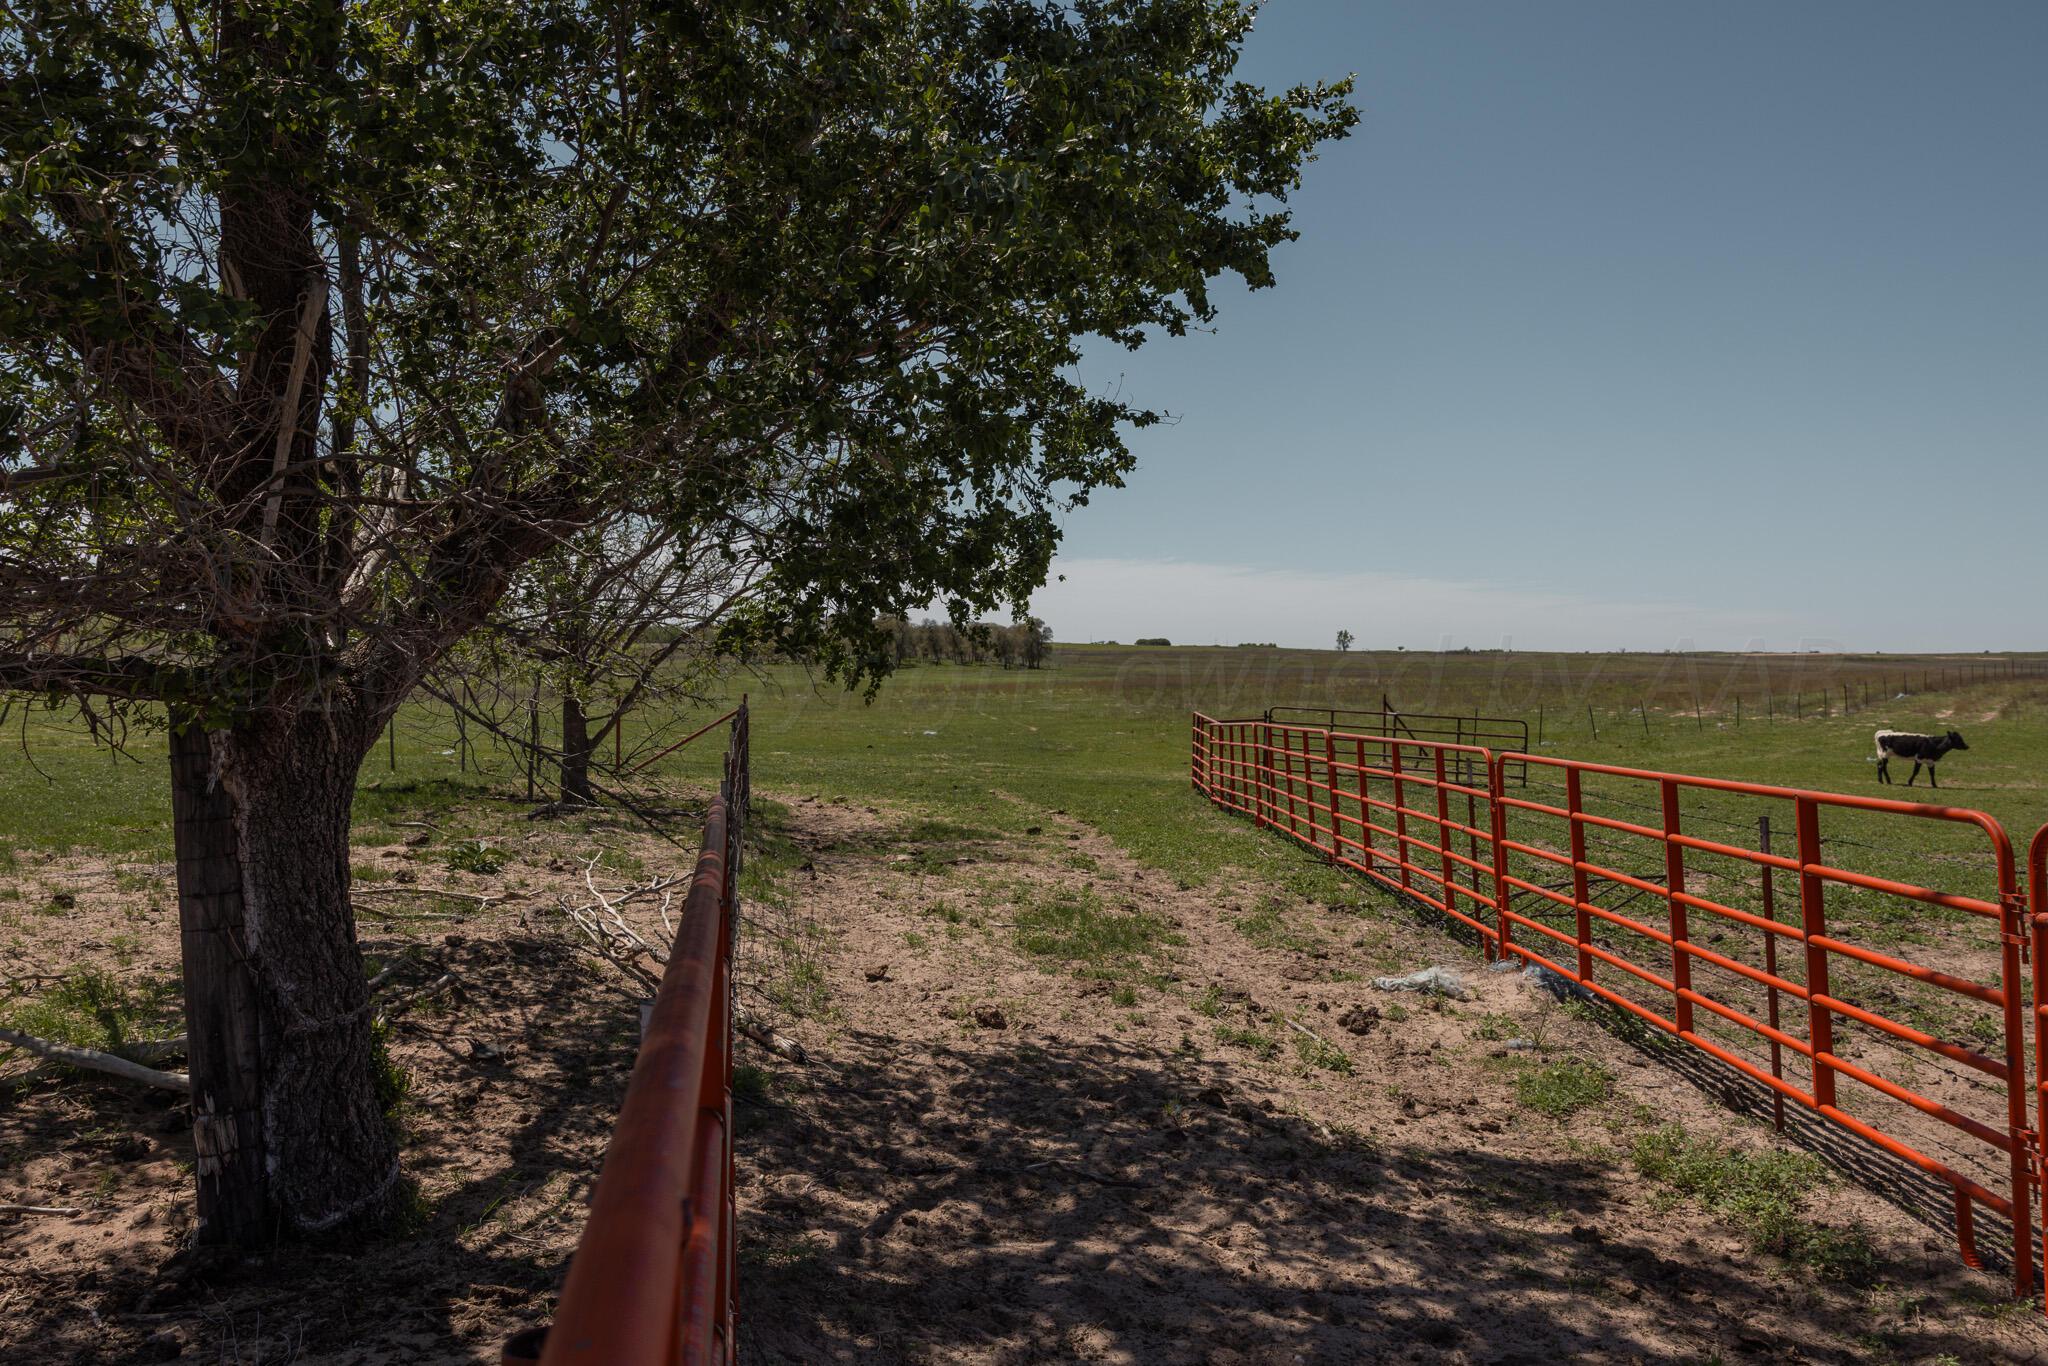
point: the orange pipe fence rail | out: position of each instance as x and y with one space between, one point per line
653 1277
1925 1057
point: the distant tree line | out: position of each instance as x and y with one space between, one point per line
1027 643
1153 640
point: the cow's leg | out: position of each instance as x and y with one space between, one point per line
1930 777
1915 773
1884 768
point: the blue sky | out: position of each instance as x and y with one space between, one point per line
1617 324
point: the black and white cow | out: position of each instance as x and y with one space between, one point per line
1921 749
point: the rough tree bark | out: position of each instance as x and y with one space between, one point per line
289 1131
575 752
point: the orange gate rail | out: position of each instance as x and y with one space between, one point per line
2037 925
653 1278
1934 1052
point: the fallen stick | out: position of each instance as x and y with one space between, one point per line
378 914
401 889
1305 1030
399 1004
781 1045
40 1209
94 1060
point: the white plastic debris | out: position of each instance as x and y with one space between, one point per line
1440 981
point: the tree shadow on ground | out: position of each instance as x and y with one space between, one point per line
1051 1200
516 1087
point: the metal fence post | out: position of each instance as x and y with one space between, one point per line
1365 807
1400 815
1674 888
1813 924
1443 835
1330 784
1582 892
1293 813
1264 777
2025 1149
1497 826
1770 890
2037 925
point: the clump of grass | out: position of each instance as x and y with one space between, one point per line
1496 1027
751 1085
1248 1039
1124 994
1325 1056
392 1082
474 856
90 1008
1074 926
1563 1088
1762 1193
782 1252
942 832
798 984
772 854
1267 928
1210 1003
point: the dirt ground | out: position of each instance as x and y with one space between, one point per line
1090 1182
990 1154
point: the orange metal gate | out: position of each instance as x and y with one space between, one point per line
1891 1009
654 1275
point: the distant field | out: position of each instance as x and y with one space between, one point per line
1103 733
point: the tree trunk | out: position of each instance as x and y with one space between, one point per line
290 1135
575 752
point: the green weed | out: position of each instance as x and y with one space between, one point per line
393 1083
91 1008
1315 1053
474 856
1497 1027
1563 1088
1267 927
1073 926
1762 1193
1248 1039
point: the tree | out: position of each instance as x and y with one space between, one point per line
321 320
1344 639
622 615
1037 643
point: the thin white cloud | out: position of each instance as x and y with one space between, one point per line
1196 603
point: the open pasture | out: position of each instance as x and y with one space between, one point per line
1022 846
1103 732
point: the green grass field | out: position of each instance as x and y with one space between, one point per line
1104 735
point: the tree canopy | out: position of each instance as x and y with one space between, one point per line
317 319
322 320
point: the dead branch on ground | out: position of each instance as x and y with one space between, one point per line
94 1060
